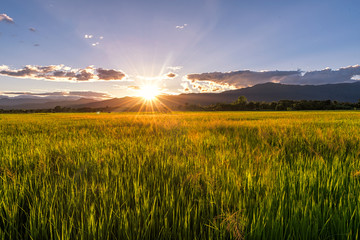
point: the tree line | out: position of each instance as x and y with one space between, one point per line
242 104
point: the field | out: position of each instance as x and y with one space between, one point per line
227 175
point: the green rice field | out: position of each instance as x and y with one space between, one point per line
193 175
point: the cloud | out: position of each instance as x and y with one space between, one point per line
84 75
158 78
78 94
240 79
89 36
356 77
62 73
110 74
175 68
207 86
134 87
89 94
36 45
26 71
32 29
171 75
186 87
326 76
6 18
247 78
181 26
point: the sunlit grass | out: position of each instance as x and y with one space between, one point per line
228 175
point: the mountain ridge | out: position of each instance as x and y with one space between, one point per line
267 92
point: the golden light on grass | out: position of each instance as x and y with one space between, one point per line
182 168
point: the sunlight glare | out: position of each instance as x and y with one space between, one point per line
149 92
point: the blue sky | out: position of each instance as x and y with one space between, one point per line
145 40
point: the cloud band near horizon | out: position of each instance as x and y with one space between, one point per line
218 81
76 94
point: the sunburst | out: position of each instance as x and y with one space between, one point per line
149 92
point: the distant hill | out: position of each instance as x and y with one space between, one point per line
342 92
267 92
40 103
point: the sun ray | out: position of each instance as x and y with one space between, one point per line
149 92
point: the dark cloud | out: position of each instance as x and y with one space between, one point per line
36 45
326 76
26 71
61 73
70 75
32 29
6 18
245 78
239 79
110 74
83 75
171 75
48 69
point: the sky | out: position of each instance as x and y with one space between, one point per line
112 48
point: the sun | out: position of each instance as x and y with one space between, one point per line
149 92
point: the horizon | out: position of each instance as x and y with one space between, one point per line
74 96
116 49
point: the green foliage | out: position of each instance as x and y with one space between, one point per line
227 175
242 104
241 100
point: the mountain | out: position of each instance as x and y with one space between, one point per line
342 92
40 102
267 92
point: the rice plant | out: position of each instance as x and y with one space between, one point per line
194 175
